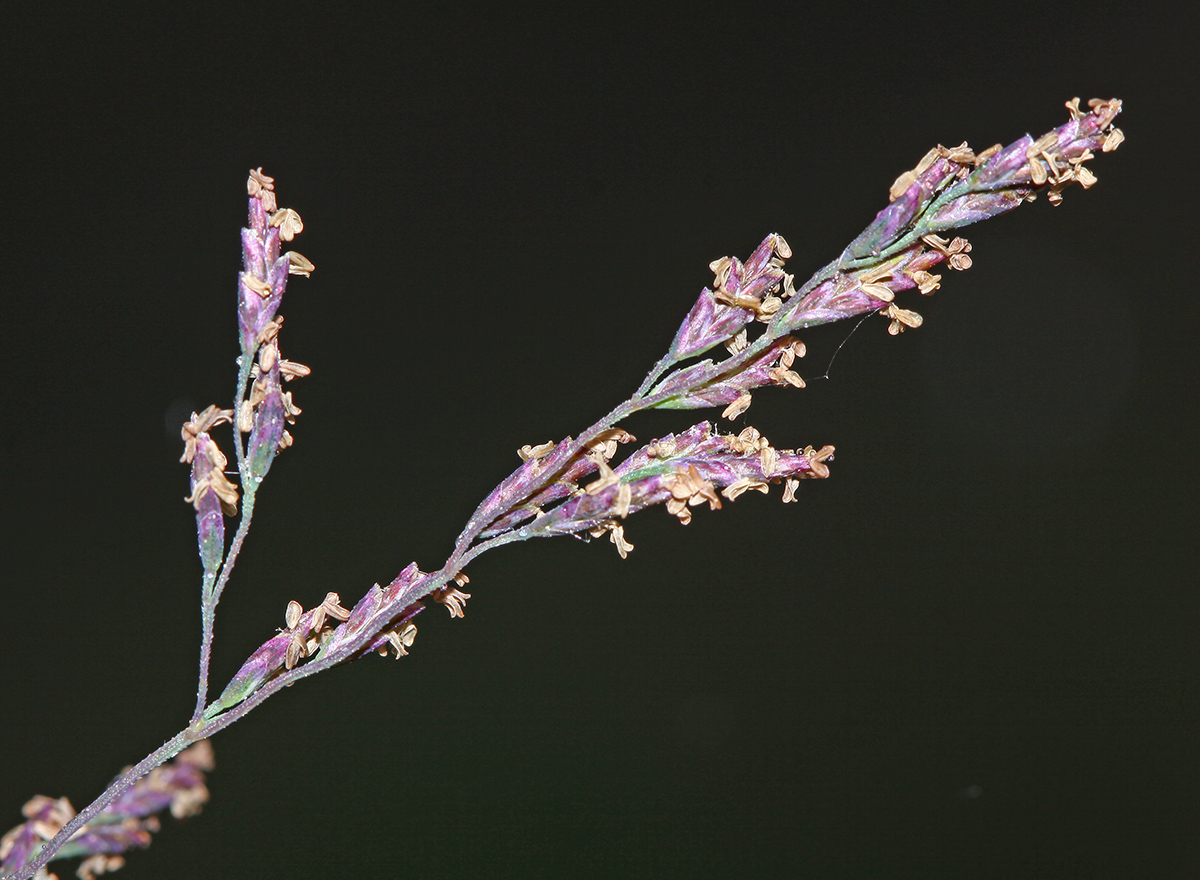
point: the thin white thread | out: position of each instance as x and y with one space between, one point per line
829 366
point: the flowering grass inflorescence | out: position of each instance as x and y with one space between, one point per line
749 316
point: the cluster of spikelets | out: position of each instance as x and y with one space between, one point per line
950 187
262 412
750 311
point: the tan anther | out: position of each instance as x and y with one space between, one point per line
297 648
881 292
258 391
689 488
298 264
959 247
1106 111
1112 140
199 424
720 269
267 355
783 376
705 491
1058 174
737 343
789 489
817 458
1041 149
290 370
1084 176
329 607
738 407
742 485
926 283
258 182
936 242
245 422
871 283
664 448
1044 143
957 252
617 536
737 301
677 507
900 185
624 498
749 440
290 410
787 356
289 223
901 318
271 330
788 286
1073 107
1037 171
960 155
605 444
461 579
217 483
1055 197
528 452
767 459
980 158
768 307
607 478
926 161
780 246
318 619
256 284
400 639
292 616
454 599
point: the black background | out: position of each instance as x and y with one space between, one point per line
970 653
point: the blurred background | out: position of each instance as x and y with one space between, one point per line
970 653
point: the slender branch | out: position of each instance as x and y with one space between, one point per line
211 595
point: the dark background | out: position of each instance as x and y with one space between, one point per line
970 653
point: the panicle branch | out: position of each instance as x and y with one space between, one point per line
949 188
752 310
261 405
